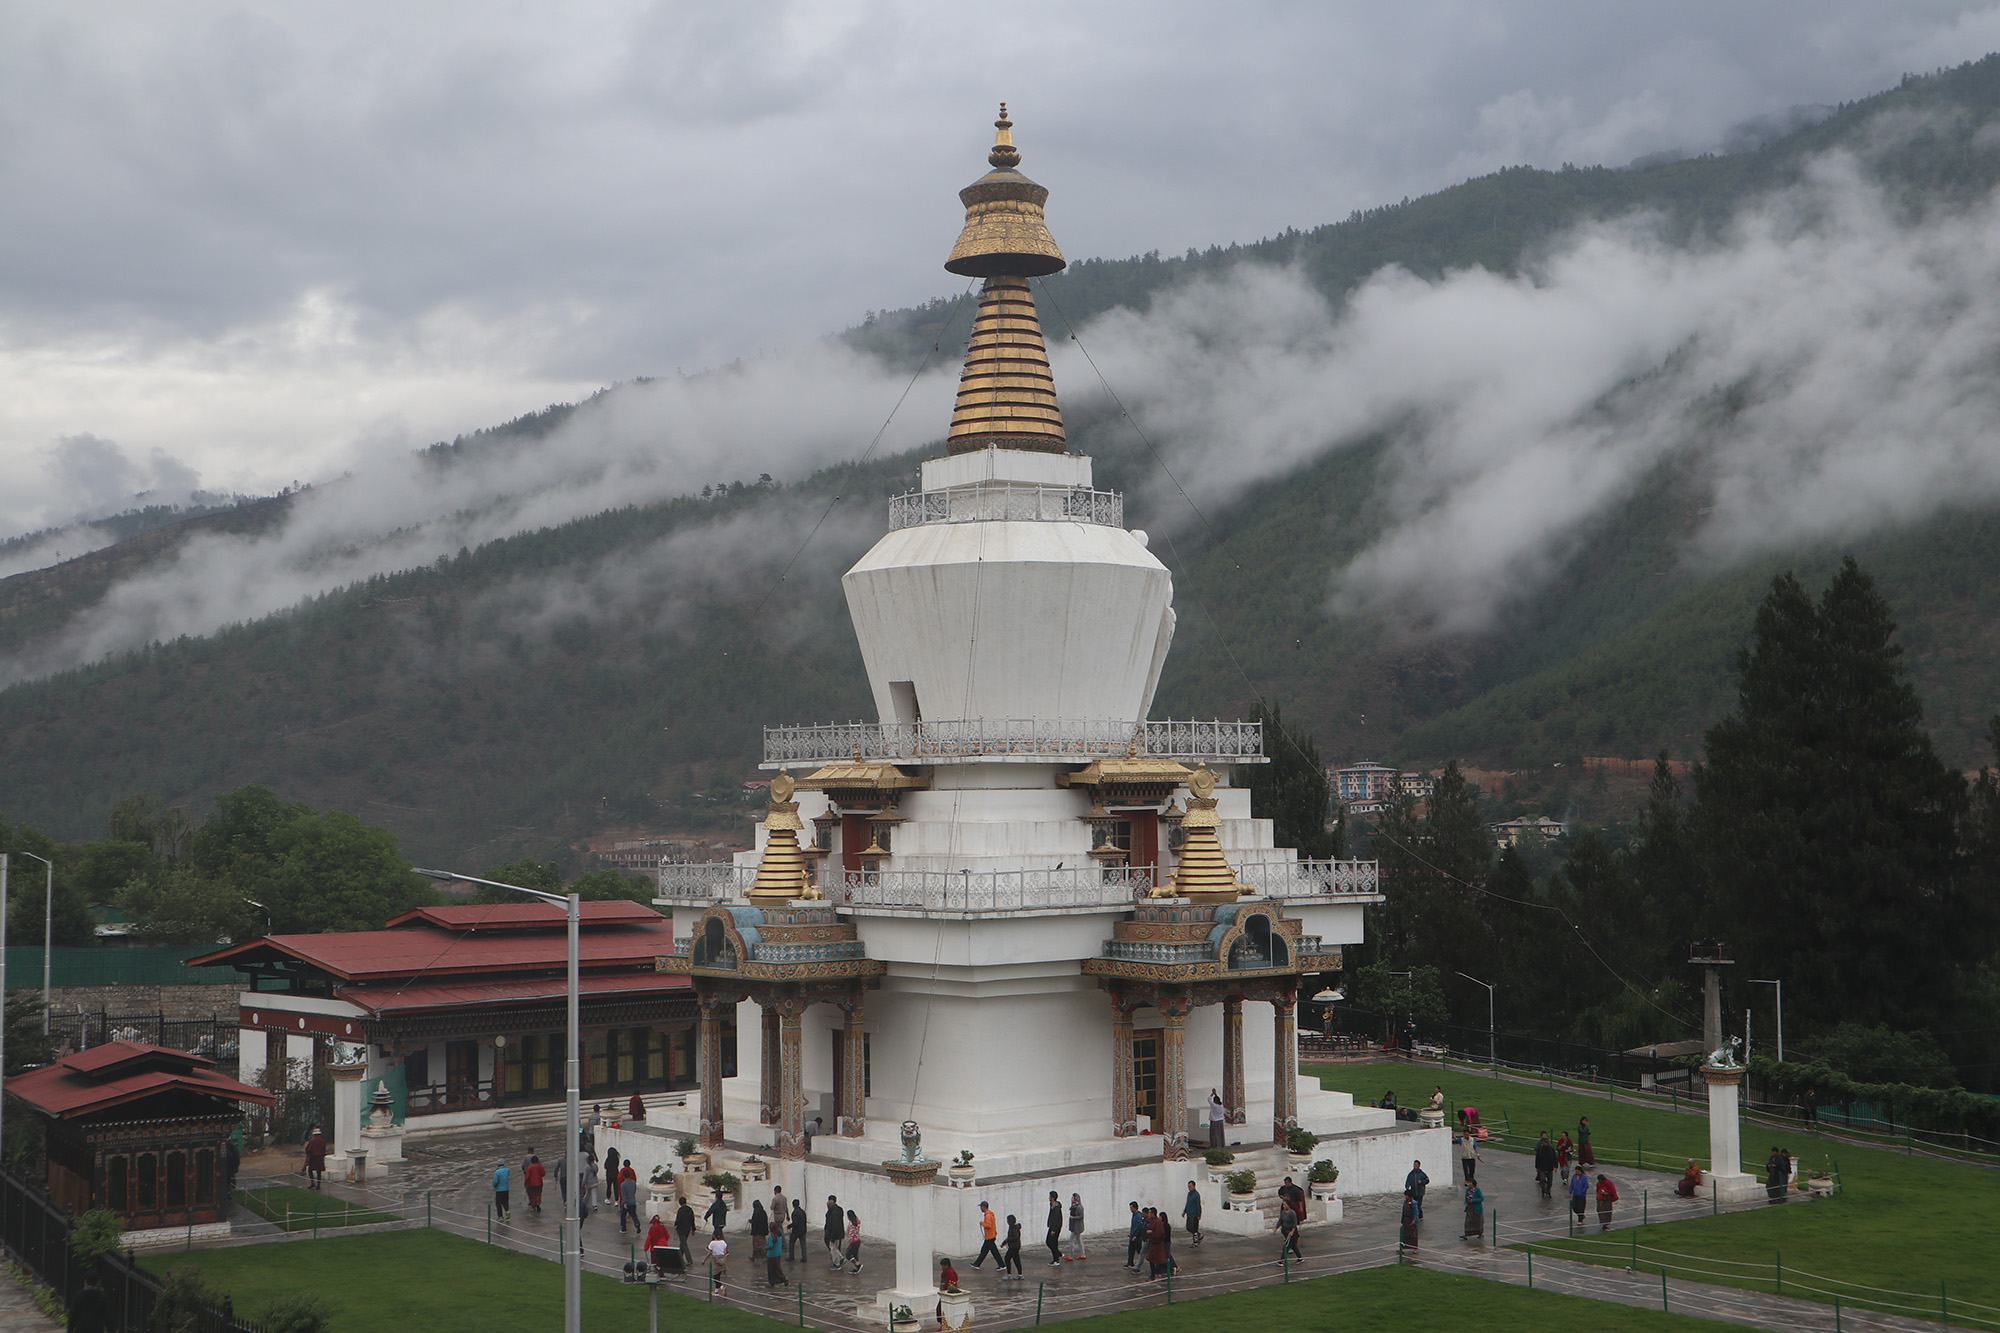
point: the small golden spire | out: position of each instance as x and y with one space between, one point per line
1004 156
1202 874
783 873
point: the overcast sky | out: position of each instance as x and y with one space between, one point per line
256 244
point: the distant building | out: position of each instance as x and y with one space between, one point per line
1508 832
756 791
1417 785
1364 785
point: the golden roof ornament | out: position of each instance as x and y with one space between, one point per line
1006 395
783 872
1202 874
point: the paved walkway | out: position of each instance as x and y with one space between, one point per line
456 1174
18 1311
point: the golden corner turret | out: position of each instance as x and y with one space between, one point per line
1203 875
1006 395
782 872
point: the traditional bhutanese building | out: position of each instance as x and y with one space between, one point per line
1016 909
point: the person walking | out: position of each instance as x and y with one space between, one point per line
833 1232
628 1198
533 1176
315 1159
1218 1121
1191 1213
1607 1194
717 1215
718 1265
589 1128
1159 1258
588 1202
1579 1190
1055 1230
781 1211
1415 1184
1475 1211
1135 1236
1010 1251
799 1225
611 1161
658 1242
1288 1228
1545 1164
1293 1197
760 1226
1565 1149
1468 1154
684 1228
853 1242
774 1254
989 1234
89 1309
1785 1155
1585 1156
1412 1215
1076 1228
1777 1174
500 1182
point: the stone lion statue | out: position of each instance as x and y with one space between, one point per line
1724 1056
913 1142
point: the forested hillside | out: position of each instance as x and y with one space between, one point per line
493 705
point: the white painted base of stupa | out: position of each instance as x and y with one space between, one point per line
1729 1186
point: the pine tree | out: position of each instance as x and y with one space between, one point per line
1292 790
1830 825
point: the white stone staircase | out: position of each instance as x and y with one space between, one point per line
550 1115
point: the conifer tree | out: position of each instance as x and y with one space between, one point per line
1292 790
1830 825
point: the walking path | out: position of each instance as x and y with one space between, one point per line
448 1181
18 1311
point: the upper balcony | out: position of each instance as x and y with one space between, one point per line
1013 740
1007 502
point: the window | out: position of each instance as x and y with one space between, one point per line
516 1073
417 1069
177 1183
117 1183
146 1183
682 1048
1146 1072
656 1056
595 1057
204 1176
628 1044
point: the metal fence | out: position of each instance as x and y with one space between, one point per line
213 1037
35 1231
116 965
1056 740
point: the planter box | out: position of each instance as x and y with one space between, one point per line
961 1177
956 1308
1242 1202
754 1171
1298 1163
695 1163
905 1325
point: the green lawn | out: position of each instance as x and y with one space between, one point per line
1900 1222
1393 1298
297 1209
439 1283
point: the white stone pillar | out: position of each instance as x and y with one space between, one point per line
912 1224
347 1105
1726 1177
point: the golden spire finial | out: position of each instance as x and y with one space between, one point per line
782 872
1004 157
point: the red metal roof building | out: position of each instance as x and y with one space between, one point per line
460 1008
137 1129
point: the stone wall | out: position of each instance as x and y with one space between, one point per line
178 1003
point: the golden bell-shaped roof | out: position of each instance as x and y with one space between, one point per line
1004 234
1203 874
783 873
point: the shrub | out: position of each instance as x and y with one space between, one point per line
1241 1182
1323 1172
1300 1140
95 1234
685 1147
298 1312
723 1182
1218 1157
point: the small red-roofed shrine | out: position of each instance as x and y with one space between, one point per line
458 1010
137 1129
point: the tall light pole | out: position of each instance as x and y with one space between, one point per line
267 913
3 1009
573 1153
48 929
1492 1055
1762 981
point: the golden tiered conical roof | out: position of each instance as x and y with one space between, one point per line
782 872
1006 396
1203 874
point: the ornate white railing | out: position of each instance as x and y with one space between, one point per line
989 890
1016 503
1056 739
1312 879
704 882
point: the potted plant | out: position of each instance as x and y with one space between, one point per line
660 1185
1322 1177
961 1172
902 1319
725 1182
1242 1187
692 1158
954 1307
756 1168
1299 1145
1218 1160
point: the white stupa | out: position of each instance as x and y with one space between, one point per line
1016 911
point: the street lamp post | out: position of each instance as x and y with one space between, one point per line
1492 1048
573 1154
48 929
267 913
1763 981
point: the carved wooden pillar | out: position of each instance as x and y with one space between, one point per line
1284 1066
767 1092
851 1114
1233 1109
791 1094
1124 1081
1172 1124
709 1069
